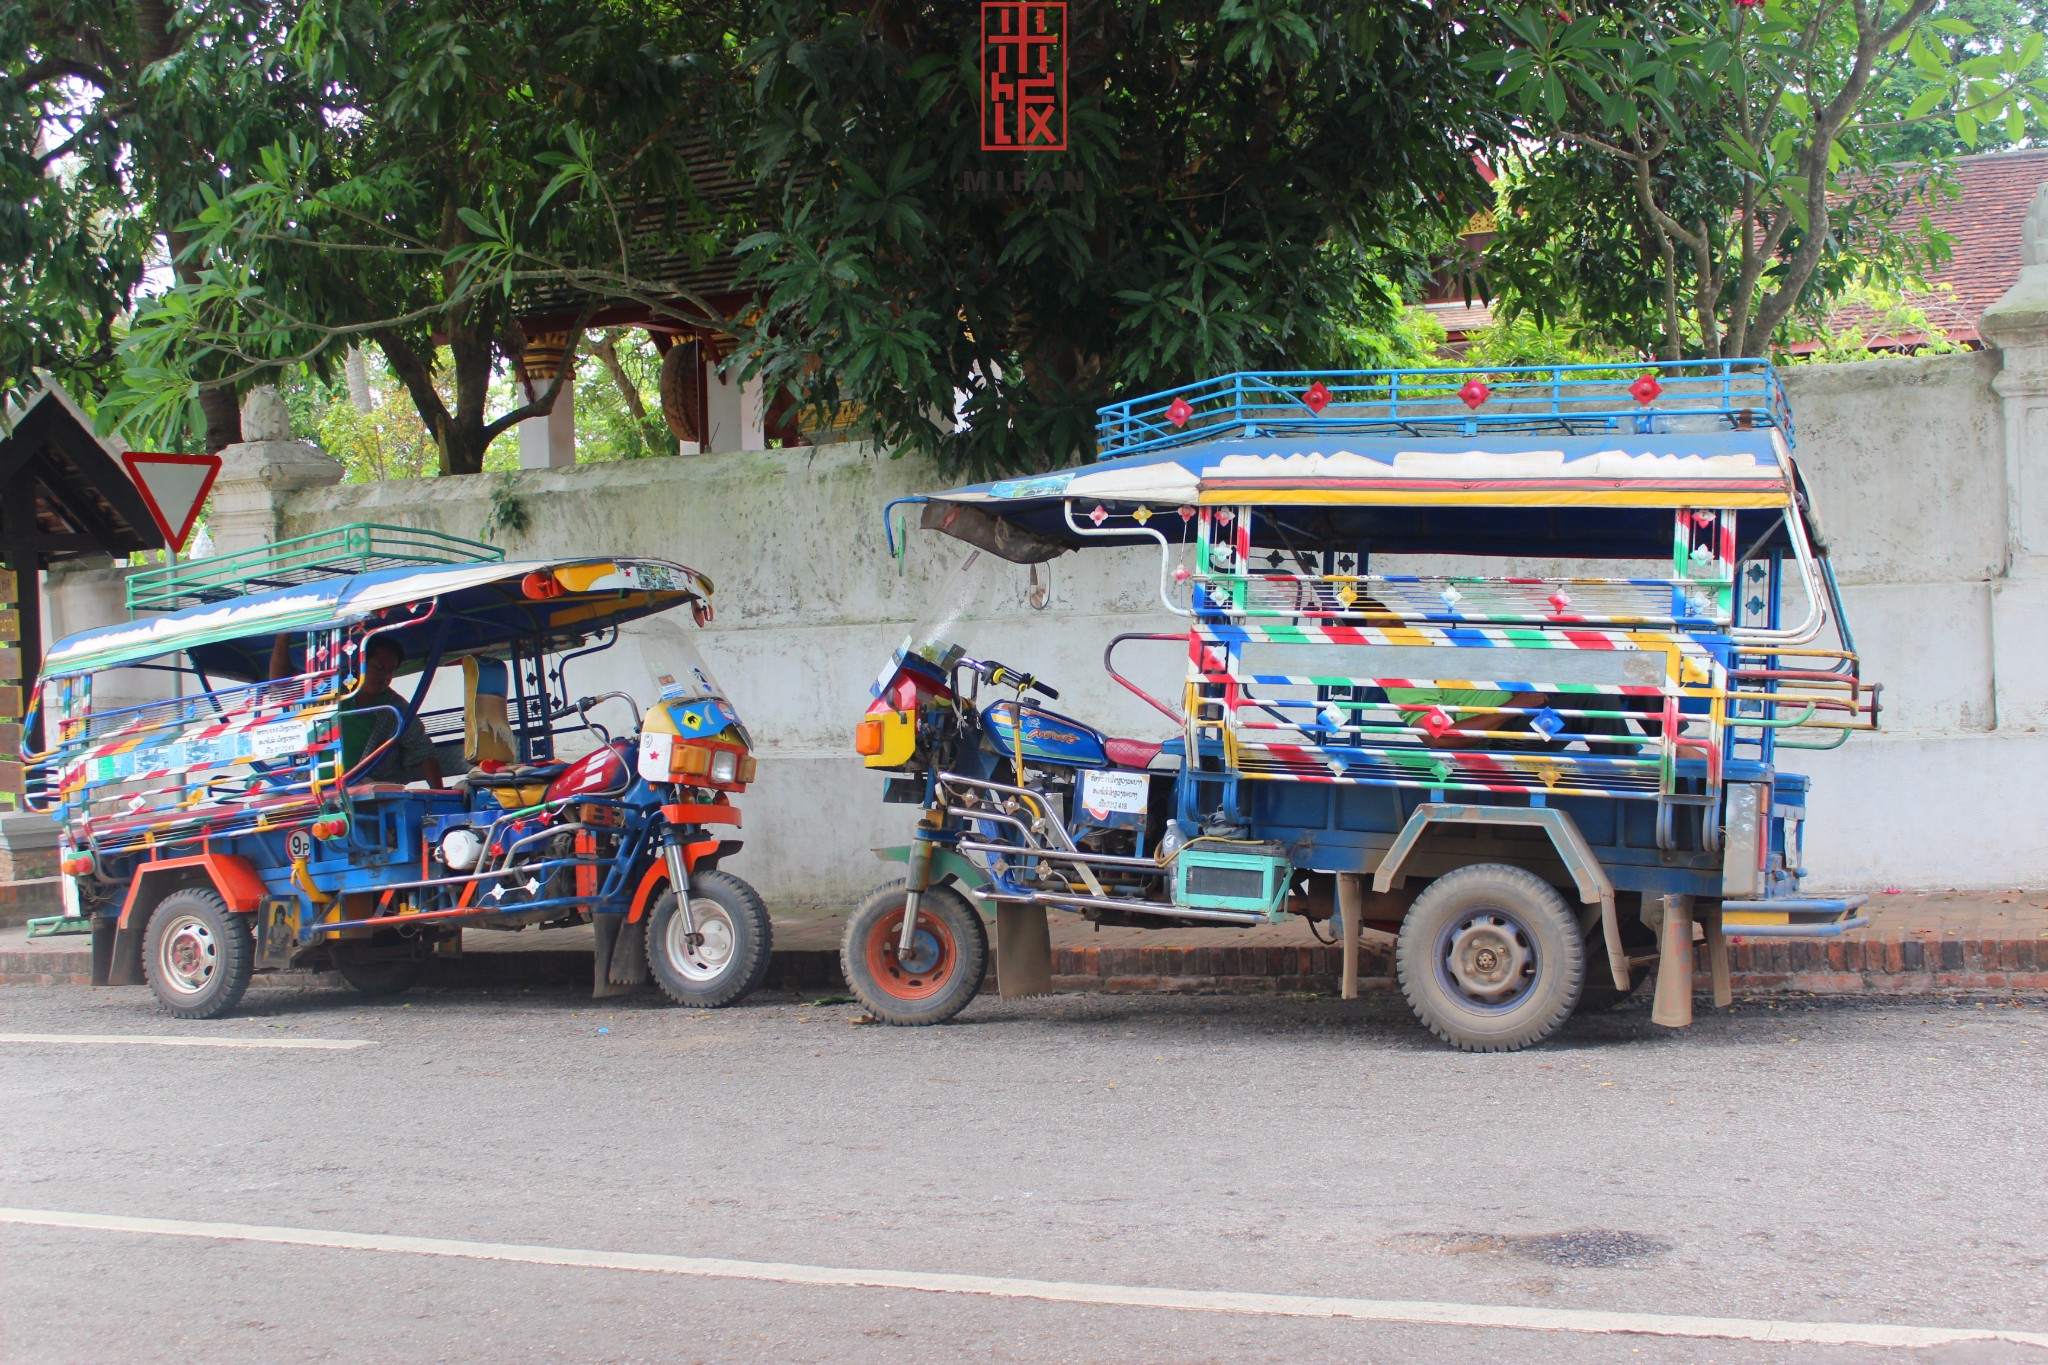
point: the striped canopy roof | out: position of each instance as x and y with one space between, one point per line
1507 492
490 600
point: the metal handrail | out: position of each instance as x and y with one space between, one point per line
1731 394
356 548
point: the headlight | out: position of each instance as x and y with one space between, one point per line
725 765
460 849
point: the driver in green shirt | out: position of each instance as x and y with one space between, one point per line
412 757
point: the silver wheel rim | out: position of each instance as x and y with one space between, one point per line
709 957
1490 958
187 955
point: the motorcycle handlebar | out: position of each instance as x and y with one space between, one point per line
1002 675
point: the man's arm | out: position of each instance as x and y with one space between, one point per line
416 753
281 657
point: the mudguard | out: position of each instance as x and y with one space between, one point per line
946 863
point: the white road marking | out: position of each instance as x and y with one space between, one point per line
1056 1291
167 1040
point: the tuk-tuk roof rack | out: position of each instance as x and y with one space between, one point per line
1566 400
360 547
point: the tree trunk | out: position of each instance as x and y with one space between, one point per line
223 419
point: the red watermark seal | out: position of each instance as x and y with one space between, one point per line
1024 76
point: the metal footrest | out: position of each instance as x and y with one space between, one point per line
49 926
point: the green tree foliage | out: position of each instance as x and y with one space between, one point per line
1235 174
1738 172
468 163
2014 36
118 120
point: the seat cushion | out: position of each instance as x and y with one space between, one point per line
1131 753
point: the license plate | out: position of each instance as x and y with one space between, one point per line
1111 792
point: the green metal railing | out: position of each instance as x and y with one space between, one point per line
357 548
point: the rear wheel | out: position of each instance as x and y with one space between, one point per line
941 973
1490 958
198 954
723 954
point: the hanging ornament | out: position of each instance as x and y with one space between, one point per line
1435 722
1474 393
1559 600
1099 515
1317 398
1224 516
1186 513
1142 515
1178 412
1646 389
1451 597
1181 574
1548 721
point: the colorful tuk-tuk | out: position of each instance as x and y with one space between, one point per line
286 807
1502 665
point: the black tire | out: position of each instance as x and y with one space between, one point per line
1491 958
198 954
378 976
730 955
953 946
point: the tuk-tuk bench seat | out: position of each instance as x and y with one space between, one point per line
1132 753
511 777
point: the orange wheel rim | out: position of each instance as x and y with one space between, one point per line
923 974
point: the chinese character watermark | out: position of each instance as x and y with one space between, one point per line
1024 76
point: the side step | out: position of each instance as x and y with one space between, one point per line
1794 916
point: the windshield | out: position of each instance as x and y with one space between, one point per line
971 589
680 672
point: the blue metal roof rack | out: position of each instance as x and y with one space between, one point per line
1578 400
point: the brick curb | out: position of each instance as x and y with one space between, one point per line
1879 967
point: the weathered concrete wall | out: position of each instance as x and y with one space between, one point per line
1907 463
1905 460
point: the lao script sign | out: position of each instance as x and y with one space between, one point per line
1024 76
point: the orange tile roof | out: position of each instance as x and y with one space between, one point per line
1984 220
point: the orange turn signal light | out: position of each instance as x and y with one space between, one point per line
689 760
867 737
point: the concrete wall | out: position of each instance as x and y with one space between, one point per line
1906 463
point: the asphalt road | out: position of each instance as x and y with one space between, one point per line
1842 1162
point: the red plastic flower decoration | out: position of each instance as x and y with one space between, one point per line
1474 393
1436 722
1178 412
1317 398
1647 388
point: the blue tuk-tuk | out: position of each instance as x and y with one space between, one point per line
1503 665
261 819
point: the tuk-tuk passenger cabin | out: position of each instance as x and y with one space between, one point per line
238 826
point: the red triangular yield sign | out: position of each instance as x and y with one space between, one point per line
174 487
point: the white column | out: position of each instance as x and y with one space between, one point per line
2018 325
550 442
724 411
257 472
753 415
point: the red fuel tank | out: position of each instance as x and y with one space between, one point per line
602 772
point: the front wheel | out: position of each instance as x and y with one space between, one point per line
1490 958
938 977
198 954
723 953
